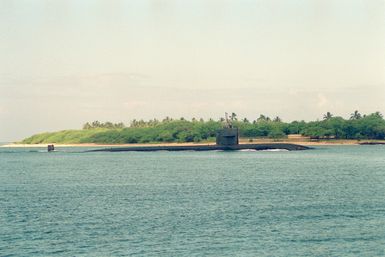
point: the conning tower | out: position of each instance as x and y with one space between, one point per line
228 135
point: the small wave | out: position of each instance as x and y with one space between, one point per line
247 150
39 151
20 151
275 150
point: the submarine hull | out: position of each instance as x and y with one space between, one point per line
258 147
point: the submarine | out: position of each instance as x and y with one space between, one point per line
227 139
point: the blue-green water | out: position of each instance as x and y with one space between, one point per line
324 202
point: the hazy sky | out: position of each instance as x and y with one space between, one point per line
63 63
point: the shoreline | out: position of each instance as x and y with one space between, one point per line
15 145
305 143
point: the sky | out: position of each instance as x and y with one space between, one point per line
66 62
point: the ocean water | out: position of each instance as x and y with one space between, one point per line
329 201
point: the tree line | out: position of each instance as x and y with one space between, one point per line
357 126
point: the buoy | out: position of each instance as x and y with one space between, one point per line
51 148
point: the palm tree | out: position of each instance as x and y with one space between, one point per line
355 115
87 126
378 114
167 119
96 124
233 116
277 119
245 120
263 118
134 123
328 116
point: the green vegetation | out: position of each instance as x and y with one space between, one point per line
358 127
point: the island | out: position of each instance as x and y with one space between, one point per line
365 129
227 139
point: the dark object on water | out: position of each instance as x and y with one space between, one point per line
50 148
289 147
372 143
227 137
